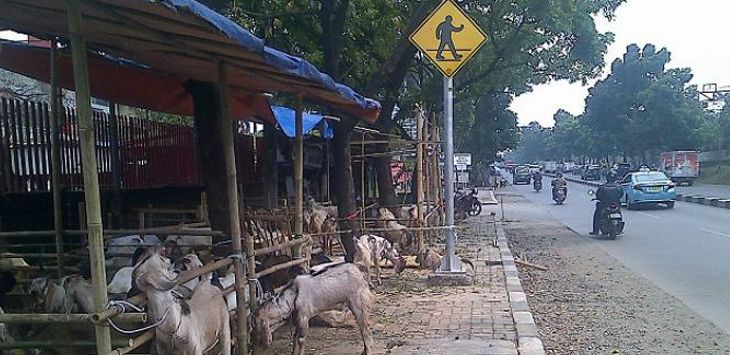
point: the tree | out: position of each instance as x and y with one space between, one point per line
486 127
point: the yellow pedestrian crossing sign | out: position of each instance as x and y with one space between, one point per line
448 37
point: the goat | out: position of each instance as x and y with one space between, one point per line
121 283
322 221
429 259
188 327
379 249
121 249
311 294
409 214
188 242
188 263
70 294
394 231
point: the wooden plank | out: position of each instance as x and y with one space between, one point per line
5 139
26 148
35 146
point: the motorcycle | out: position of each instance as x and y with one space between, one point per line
610 221
467 205
537 185
559 195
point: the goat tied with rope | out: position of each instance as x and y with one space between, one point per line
186 327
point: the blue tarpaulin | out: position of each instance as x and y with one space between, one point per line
286 116
282 61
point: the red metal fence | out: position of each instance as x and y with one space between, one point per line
152 154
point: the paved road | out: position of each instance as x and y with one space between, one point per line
685 251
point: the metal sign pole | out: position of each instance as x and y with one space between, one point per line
450 262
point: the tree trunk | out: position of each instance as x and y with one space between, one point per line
206 102
344 189
271 173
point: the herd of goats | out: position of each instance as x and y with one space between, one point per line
194 317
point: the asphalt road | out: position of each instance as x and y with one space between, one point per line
684 251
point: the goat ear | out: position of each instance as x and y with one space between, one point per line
158 283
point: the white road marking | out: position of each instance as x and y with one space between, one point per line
715 232
648 215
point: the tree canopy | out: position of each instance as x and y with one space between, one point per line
640 109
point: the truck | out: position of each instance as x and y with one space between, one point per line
682 166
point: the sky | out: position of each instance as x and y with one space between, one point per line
692 30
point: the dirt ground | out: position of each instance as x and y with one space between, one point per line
589 303
410 317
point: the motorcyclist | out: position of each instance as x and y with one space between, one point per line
610 192
537 175
559 183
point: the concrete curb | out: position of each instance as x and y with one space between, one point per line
708 201
528 338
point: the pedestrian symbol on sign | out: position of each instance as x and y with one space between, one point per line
448 37
444 33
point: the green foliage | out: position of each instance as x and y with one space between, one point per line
491 127
639 110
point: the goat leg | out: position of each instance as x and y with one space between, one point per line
300 335
362 322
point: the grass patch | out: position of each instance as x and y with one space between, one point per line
716 174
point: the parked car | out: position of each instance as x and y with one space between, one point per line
591 172
577 169
522 175
648 187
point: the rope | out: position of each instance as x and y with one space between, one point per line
121 305
259 289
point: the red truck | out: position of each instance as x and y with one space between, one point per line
682 166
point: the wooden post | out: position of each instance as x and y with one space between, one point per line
271 174
298 175
419 175
91 178
436 166
56 183
226 136
115 167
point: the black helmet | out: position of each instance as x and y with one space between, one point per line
611 176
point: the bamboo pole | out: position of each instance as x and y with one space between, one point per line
56 184
91 179
115 166
298 175
281 266
36 318
419 175
226 133
135 343
50 344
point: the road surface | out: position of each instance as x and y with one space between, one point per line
706 190
685 251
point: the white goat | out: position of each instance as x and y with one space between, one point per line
322 221
409 214
394 231
187 327
188 242
380 249
188 263
309 295
121 282
121 249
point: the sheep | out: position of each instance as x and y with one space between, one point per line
379 249
189 327
121 283
311 294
